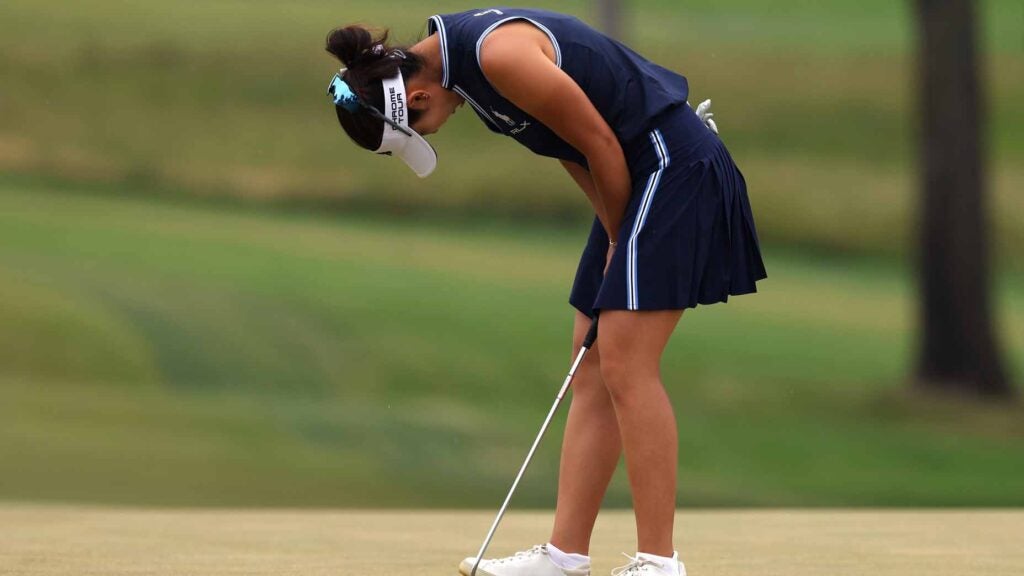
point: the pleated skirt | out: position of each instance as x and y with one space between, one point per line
688 235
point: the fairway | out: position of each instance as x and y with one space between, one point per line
61 540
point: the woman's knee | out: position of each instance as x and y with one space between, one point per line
614 372
631 345
587 380
623 370
626 378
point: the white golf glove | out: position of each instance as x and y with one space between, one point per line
703 112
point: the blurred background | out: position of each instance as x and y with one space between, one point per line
209 296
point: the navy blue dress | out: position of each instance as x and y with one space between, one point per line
688 234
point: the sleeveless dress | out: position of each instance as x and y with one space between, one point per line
688 234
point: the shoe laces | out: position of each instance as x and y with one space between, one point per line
635 566
522 555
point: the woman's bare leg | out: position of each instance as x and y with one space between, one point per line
631 345
590 450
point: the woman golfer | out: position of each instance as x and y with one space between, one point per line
673 228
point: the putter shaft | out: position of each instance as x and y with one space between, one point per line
587 343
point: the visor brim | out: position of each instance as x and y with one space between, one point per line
416 152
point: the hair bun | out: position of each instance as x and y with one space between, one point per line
355 44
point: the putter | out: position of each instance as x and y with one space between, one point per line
588 341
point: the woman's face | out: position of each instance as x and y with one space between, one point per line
434 103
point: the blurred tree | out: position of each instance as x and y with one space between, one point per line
609 15
958 349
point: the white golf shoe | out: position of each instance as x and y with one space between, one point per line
640 566
533 562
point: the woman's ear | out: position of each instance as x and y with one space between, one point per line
419 99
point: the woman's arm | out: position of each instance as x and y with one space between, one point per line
518 60
582 178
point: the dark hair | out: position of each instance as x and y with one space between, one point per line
369 60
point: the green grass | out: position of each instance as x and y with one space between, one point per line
173 353
815 99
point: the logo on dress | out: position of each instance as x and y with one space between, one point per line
514 128
503 117
520 128
512 123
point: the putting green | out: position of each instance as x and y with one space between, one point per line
59 540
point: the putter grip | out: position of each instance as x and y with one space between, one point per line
588 341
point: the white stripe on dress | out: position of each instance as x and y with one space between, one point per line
458 90
632 284
442 35
543 28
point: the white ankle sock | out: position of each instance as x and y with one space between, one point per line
566 561
670 565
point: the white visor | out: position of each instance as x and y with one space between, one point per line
411 147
